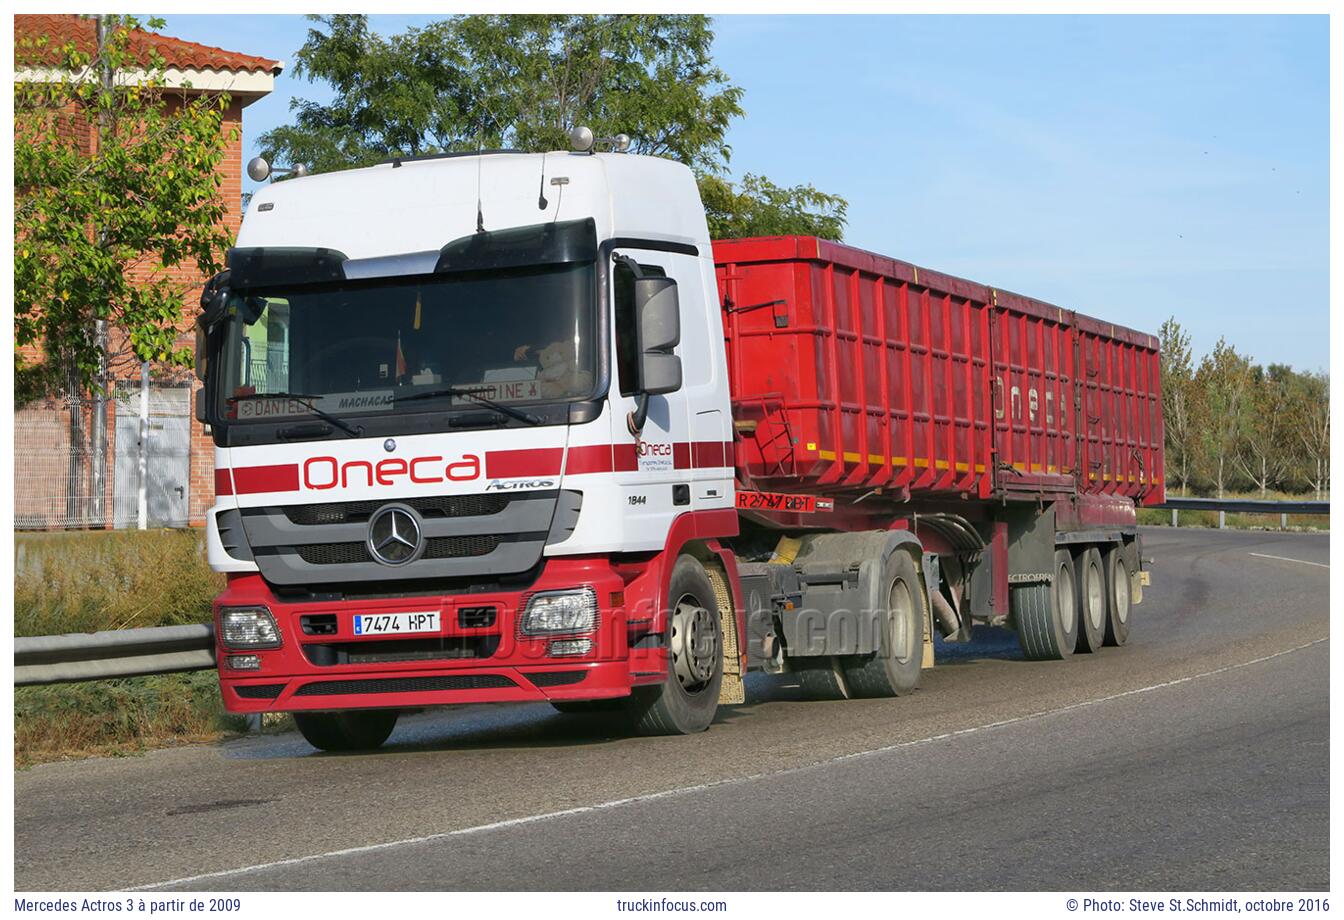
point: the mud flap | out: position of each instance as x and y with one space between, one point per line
732 689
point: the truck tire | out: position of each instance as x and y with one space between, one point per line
821 677
688 697
1090 577
1118 597
894 669
1046 615
352 730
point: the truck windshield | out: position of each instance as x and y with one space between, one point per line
363 347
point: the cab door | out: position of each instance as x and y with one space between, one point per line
652 469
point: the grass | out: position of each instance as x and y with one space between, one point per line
118 717
1237 520
91 581
85 582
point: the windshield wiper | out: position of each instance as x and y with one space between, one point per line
510 411
306 400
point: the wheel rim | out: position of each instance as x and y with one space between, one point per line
1096 597
694 644
1121 594
1064 597
899 606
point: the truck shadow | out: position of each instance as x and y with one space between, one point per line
536 725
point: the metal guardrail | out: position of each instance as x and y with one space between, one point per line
1246 505
114 653
1242 506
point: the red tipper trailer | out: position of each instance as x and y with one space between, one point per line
853 373
1011 437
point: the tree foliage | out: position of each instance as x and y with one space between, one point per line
116 183
1234 424
761 208
1181 406
482 82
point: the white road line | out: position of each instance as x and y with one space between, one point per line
1321 565
690 790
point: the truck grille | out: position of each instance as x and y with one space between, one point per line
442 506
435 548
482 536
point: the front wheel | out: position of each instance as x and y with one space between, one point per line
687 699
352 730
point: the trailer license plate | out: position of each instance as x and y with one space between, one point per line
382 624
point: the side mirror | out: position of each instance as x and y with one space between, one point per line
202 350
214 299
658 313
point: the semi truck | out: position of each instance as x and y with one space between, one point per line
509 426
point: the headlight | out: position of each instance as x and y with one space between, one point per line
248 627
561 612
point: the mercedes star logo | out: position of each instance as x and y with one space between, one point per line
394 535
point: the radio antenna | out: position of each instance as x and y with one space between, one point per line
542 203
480 215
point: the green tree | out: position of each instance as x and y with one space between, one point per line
1309 417
1265 450
761 208
1224 378
478 82
1182 407
100 226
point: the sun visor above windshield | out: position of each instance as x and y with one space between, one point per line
517 247
275 266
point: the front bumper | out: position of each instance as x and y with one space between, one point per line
332 670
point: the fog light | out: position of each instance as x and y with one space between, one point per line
562 647
244 662
248 627
561 612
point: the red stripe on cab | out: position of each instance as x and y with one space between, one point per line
280 478
514 464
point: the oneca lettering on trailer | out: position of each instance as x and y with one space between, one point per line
327 472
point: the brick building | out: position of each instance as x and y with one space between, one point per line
181 452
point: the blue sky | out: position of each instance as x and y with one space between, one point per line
1132 168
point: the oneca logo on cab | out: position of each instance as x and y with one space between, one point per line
327 472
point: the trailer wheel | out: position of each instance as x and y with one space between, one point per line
822 677
1046 615
688 697
1092 605
1118 598
894 669
351 730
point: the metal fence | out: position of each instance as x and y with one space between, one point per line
54 469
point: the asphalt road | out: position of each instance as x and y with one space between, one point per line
1194 759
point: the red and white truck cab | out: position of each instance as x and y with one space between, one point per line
505 464
476 442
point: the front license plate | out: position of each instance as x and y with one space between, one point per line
384 624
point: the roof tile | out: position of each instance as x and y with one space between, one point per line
177 53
